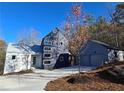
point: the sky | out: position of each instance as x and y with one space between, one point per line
41 16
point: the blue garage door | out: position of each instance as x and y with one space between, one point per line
85 60
91 60
97 60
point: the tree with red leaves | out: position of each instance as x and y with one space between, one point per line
76 32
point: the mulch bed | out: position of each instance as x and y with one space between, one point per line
85 82
96 80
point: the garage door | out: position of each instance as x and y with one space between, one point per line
96 60
84 60
91 60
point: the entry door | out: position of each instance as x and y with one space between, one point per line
34 60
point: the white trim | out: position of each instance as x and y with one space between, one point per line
47 53
47 47
47 42
47 63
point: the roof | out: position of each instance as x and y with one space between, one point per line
105 44
36 48
101 43
21 48
53 33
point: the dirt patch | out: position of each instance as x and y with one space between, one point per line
98 79
78 79
107 66
85 82
114 63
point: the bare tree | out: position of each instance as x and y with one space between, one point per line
29 36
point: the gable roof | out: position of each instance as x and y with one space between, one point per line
101 43
53 33
23 48
36 48
105 45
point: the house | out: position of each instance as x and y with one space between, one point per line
51 53
22 57
95 53
54 44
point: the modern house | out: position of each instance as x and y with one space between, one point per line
95 53
22 57
51 53
54 44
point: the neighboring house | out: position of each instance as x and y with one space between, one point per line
22 57
54 44
95 53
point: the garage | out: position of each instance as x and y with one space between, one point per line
94 53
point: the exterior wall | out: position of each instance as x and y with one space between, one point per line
22 61
93 54
120 55
58 45
16 65
38 63
63 61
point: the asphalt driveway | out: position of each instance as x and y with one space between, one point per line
34 81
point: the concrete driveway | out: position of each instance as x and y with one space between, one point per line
34 81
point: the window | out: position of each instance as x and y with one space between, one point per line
47 48
47 62
61 58
34 60
61 43
13 57
47 42
47 55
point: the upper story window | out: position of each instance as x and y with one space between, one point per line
13 57
46 48
47 55
47 42
61 43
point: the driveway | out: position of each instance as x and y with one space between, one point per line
34 81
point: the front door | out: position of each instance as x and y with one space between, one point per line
34 60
